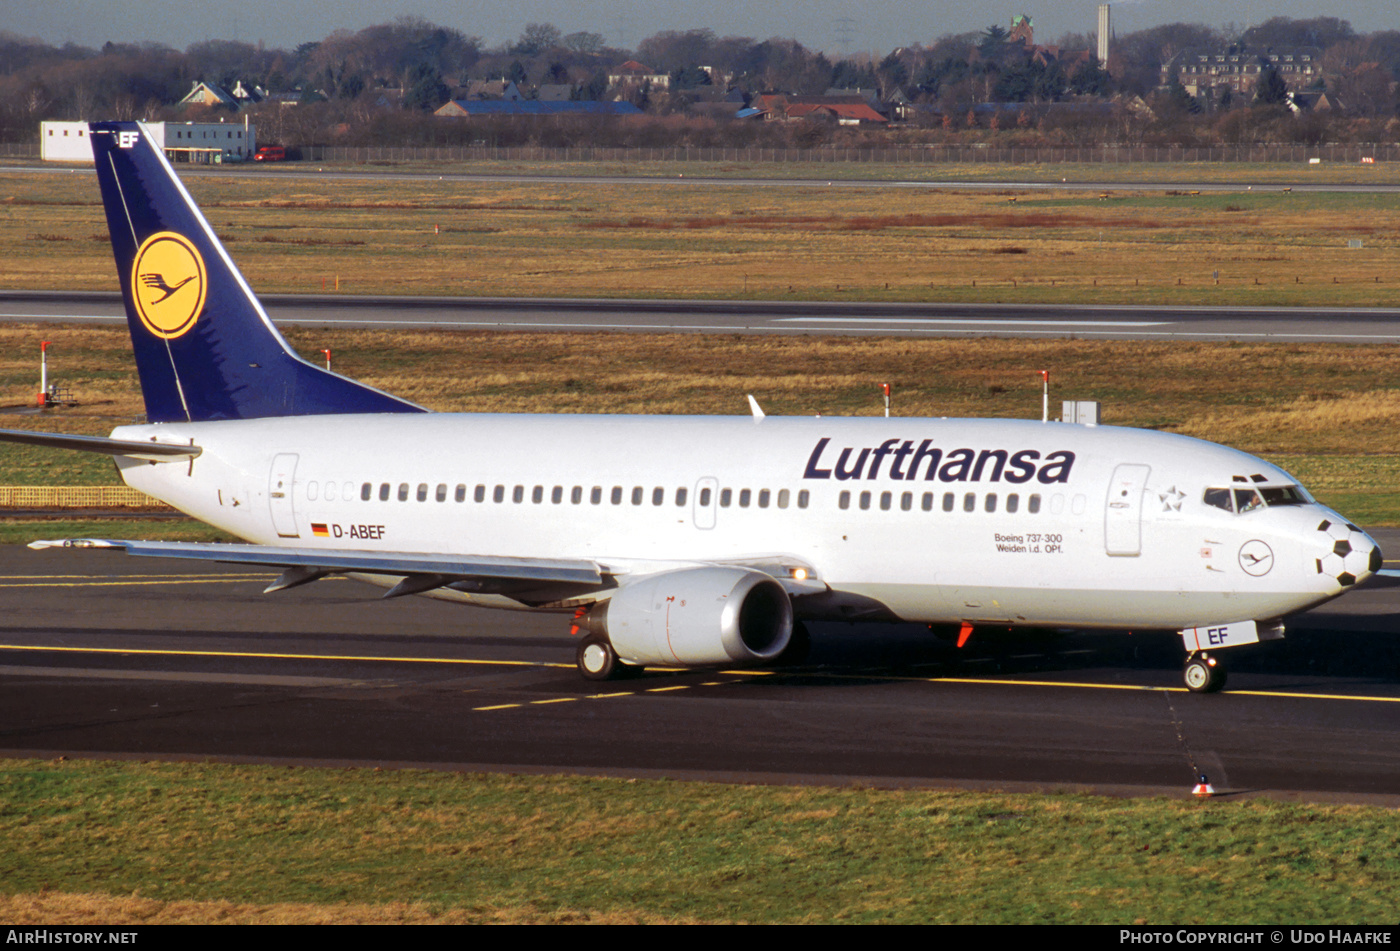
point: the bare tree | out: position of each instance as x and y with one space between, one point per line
123 106
536 38
583 42
35 102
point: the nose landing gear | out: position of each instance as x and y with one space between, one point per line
1204 673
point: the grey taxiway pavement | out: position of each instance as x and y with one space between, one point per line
1118 322
106 655
814 179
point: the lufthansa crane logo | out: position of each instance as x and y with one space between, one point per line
1256 557
168 283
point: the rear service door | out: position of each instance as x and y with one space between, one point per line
280 489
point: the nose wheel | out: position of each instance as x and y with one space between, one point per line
1204 673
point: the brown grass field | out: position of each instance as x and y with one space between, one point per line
646 239
1326 412
1261 397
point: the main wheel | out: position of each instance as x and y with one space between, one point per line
598 661
1204 674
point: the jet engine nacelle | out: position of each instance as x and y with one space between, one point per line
698 617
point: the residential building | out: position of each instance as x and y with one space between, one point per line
208 94
467 108
633 73
1206 74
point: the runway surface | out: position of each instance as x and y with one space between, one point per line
1105 322
113 656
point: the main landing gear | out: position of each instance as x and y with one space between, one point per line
1205 673
598 661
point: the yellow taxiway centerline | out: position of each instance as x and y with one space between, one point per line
164 579
279 656
463 661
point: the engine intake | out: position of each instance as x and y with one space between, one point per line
697 617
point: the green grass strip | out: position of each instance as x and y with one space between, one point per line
496 847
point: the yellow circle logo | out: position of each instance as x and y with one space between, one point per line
168 284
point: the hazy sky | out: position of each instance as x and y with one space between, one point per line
833 25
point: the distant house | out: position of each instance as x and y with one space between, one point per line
714 102
842 113
718 77
555 92
768 106
487 90
246 95
1314 101
842 110
208 94
390 97
633 73
467 108
871 96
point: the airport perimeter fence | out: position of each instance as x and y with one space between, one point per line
77 497
909 155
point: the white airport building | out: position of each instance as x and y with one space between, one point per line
204 143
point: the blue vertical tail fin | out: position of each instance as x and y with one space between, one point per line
205 348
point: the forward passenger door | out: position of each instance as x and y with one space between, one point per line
1122 530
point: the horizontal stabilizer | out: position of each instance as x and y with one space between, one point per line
133 448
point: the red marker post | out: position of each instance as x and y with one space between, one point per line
886 388
328 358
43 372
1045 396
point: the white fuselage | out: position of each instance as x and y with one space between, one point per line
1008 521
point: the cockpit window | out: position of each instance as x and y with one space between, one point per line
1247 500
1284 495
1240 500
1220 498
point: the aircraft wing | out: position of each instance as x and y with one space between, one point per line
529 580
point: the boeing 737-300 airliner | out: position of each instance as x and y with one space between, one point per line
679 541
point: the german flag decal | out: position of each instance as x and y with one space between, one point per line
319 530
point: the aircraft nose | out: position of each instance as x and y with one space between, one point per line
1346 553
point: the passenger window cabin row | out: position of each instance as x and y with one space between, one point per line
616 495
949 503
1232 499
656 496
